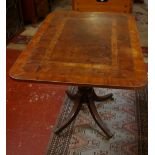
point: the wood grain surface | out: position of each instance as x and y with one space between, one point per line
124 6
84 48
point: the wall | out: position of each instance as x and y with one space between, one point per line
146 1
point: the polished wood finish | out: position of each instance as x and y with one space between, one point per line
84 49
79 48
86 95
124 6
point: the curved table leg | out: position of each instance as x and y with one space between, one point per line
97 119
72 96
102 98
72 115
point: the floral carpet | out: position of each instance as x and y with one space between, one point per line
126 117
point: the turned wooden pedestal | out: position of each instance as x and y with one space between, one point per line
86 95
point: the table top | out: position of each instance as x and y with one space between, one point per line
83 48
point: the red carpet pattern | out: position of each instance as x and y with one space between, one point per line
21 39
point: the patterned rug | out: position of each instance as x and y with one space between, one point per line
21 39
140 11
126 117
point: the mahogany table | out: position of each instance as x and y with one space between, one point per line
87 50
